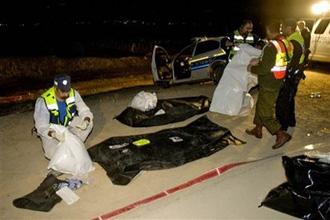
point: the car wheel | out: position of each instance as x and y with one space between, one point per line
216 71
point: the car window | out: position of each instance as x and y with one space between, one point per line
206 46
187 51
322 26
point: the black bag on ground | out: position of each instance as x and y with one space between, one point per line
178 109
306 194
124 157
44 198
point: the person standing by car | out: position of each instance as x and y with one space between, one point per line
306 34
271 70
285 106
242 35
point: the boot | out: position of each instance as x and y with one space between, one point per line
281 138
256 131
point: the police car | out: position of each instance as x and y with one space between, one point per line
203 59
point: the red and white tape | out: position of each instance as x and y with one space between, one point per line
208 175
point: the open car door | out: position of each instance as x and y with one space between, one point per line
161 65
181 63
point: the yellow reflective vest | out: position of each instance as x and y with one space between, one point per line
239 39
298 37
51 104
284 53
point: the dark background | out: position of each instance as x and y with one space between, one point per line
120 28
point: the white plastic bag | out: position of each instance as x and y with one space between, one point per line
71 156
247 104
231 96
144 101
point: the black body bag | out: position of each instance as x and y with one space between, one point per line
124 157
306 194
172 110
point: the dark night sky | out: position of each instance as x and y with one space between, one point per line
61 22
23 11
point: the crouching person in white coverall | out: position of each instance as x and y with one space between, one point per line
61 105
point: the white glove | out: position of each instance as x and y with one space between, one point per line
83 124
56 135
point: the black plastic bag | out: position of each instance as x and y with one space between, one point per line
306 194
44 198
124 157
175 110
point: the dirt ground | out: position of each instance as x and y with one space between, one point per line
24 76
314 112
23 166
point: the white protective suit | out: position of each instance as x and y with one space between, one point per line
231 96
42 124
